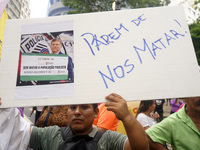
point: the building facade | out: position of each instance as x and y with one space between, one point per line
190 12
56 8
18 9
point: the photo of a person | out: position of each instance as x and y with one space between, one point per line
45 61
54 43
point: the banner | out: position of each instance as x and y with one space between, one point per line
141 54
3 4
3 19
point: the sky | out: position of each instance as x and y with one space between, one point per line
38 8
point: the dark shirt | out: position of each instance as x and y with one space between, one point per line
159 105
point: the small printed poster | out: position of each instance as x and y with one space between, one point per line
45 61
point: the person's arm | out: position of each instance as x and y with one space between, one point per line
161 133
155 115
15 130
180 102
147 127
154 145
137 139
172 102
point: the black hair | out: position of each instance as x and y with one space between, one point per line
95 106
144 106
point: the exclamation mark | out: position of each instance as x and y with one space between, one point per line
179 24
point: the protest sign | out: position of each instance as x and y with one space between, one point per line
140 54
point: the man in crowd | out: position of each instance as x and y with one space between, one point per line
181 129
159 109
56 45
16 132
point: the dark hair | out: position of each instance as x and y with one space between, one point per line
94 106
56 39
144 106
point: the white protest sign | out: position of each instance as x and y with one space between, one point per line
140 54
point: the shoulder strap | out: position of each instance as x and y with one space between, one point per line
66 132
45 123
98 136
78 142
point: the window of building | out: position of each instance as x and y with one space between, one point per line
51 2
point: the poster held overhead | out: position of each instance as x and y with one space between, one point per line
141 54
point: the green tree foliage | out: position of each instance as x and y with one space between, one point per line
85 6
195 34
196 2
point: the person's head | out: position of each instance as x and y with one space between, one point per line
81 117
56 45
146 105
193 104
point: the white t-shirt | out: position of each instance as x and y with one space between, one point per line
14 130
145 120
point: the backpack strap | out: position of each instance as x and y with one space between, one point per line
66 132
98 136
46 120
71 141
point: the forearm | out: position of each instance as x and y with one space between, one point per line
172 102
135 132
137 139
154 145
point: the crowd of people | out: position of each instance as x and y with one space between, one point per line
79 133
94 126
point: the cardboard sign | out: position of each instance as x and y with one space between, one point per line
141 54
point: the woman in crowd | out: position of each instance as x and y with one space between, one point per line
146 115
175 105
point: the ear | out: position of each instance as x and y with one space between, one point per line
96 112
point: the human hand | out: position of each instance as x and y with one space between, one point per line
155 115
117 105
